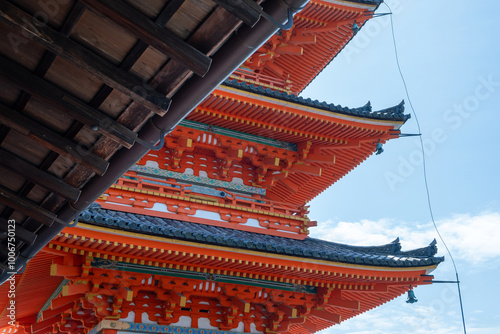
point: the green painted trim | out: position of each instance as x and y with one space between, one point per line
136 327
212 183
56 293
239 135
143 269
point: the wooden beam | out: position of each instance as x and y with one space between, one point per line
27 207
168 11
126 293
137 50
23 79
324 159
290 185
208 38
242 9
291 312
47 314
21 233
48 58
28 320
325 315
275 68
48 181
344 303
158 37
42 325
75 289
306 169
302 40
242 305
60 301
52 140
102 69
290 50
61 270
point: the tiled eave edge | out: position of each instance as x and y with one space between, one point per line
365 113
267 266
372 256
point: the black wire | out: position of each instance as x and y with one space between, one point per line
425 171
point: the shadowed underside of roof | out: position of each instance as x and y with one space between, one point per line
81 91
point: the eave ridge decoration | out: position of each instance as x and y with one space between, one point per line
395 113
429 250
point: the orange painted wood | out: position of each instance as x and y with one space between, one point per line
61 270
294 265
201 221
47 314
344 303
294 188
41 325
326 159
307 169
302 39
75 289
326 315
61 301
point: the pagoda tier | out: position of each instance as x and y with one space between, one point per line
327 140
250 158
290 59
137 272
209 233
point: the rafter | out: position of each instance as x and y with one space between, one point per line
102 69
81 111
52 140
27 207
158 37
245 10
21 233
48 181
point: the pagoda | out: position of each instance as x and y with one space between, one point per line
208 233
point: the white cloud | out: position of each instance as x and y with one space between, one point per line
470 238
397 317
473 240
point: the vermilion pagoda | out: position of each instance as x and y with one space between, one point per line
209 234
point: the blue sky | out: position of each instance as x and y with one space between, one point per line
449 53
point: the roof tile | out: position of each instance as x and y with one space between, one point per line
385 255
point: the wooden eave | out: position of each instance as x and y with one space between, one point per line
331 25
160 252
349 139
33 288
78 81
370 285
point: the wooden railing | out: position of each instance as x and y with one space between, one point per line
224 196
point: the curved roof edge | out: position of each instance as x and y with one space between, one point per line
386 255
395 113
377 3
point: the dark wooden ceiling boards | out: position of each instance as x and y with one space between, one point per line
78 79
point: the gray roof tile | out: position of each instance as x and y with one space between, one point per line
395 113
385 255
